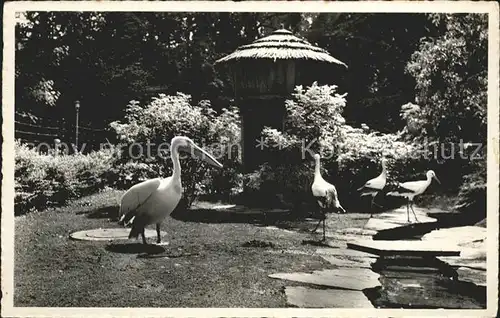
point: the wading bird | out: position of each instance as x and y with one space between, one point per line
325 194
149 202
374 186
411 189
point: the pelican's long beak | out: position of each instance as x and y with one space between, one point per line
205 156
435 177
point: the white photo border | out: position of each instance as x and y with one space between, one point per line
493 161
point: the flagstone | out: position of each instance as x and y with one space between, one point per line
346 278
352 262
304 297
344 252
379 224
408 248
474 276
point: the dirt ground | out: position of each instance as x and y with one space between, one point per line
207 264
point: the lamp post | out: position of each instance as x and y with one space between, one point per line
77 108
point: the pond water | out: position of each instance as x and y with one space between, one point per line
407 282
413 283
422 283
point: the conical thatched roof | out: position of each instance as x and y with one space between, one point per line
280 45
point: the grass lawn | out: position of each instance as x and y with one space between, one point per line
209 264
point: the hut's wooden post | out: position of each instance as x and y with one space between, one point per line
257 113
261 88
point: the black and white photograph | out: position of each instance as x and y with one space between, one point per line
206 158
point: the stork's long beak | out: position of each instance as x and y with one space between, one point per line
205 156
435 177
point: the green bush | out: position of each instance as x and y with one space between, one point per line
168 116
451 80
125 175
42 180
312 125
286 185
313 121
350 156
451 104
359 160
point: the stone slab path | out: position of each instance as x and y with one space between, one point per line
344 278
471 240
344 252
407 248
339 262
304 297
342 287
396 218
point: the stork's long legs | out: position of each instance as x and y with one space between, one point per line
317 225
323 219
158 235
144 236
372 204
411 206
408 210
322 214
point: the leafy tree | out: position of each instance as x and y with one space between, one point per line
106 59
376 47
451 80
47 41
450 71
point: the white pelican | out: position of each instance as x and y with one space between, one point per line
150 201
374 186
411 189
325 194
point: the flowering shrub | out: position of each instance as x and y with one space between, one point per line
168 116
286 185
350 156
42 181
360 154
313 117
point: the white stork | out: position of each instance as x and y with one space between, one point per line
150 201
411 189
325 194
374 186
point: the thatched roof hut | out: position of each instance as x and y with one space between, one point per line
280 45
275 64
265 73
